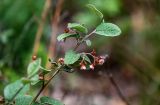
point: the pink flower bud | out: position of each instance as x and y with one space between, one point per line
61 60
91 67
100 61
83 67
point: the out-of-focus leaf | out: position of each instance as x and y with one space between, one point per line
109 7
36 103
66 35
78 27
33 67
23 100
11 90
71 57
4 36
25 80
108 29
50 101
95 10
35 79
86 18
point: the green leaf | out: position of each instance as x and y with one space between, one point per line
108 29
78 27
25 80
95 10
23 100
45 71
50 101
86 58
67 35
35 79
88 42
36 103
33 67
71 57
11 90
4 36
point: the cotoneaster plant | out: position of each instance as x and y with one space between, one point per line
17 93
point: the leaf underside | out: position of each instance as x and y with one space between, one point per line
66 35
78 27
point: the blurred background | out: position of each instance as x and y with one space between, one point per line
30 27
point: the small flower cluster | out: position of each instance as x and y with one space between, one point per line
83 64
97 60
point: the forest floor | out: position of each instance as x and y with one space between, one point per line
94 88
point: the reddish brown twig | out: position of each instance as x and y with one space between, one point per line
41 26
45 85
55 23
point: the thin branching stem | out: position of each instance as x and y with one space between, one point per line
45 85
86 37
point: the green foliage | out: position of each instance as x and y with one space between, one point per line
16 92
86 18
78 27
67 35
33 67
108 29
95 10
18 24
23 100
36 103
4 36
71 57
86 58
50 101
11 90
108 7
35 79
25 80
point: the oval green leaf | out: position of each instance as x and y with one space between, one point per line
35 79
108 29
78 27
71 57
67 35
50 101
95 10
86 58
23 100
33 67
11 90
